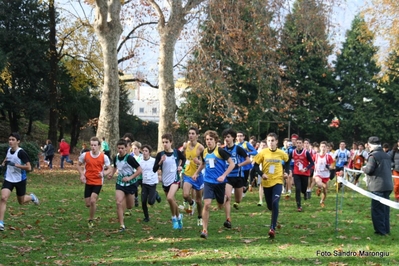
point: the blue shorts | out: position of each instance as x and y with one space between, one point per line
215 191
196 185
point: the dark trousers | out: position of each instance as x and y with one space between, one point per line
272 196
49 158
301 184
148 195
380 214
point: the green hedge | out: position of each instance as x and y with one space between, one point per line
31 148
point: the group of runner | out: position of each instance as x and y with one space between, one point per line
204 172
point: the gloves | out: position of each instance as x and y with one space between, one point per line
10 163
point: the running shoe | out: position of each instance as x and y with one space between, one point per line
128 213
136 202
272 233
308 194
158 198
193 207
90 224
227 224
204 234
122 229
299 209
260 203
146 219
322 204
236 205
180 221
175 223
34 199
288 195
1 227
199 222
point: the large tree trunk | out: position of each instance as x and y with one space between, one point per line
169 32
75 130
167 99
108 28
53 112
14 121
30 124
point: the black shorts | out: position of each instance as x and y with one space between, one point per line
128 190
215 191
167 188
236 182
89 189
19 186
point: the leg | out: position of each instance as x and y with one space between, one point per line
119 198
289 183
170 197
268 197
227 207
387 211
238 194
50 161
186 192
298 188
276 193
260 203
205 214
198 201
304 185
378 215
62 161
144 199
5 194
92 204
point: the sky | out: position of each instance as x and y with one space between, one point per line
341 20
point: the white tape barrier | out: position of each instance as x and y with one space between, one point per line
384 201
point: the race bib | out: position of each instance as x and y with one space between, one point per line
271 169
211 163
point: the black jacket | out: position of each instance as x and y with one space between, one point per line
378 169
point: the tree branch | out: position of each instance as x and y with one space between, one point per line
142 81
132 31
161 22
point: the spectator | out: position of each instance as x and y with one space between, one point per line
64 151
378 169
49 153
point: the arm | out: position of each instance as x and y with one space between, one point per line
243 154
310 160
200 162
157 163
182 160
370 166
228 170
23 156
251 149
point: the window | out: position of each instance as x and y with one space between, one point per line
154 110
141 110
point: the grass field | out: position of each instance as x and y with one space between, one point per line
56 233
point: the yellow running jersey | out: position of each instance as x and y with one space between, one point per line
272 166
191 166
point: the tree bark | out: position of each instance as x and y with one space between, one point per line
108 28
169 33
53 112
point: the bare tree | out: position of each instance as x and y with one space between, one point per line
108 28
169 30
